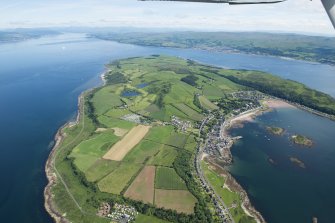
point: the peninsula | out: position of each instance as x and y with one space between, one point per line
144 147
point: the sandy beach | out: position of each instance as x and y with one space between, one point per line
276 103
268 105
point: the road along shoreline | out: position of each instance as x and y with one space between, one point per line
233 185
237 121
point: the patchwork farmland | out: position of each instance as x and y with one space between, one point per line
142 187
121 148
129 151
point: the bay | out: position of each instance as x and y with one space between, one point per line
280 189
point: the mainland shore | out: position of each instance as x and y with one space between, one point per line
50 170
237 121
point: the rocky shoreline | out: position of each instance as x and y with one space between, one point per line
232 185
50 171
51 174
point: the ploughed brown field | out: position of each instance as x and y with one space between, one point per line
142 187
129 141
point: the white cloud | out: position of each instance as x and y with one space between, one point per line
290 16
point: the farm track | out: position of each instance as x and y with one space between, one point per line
51 165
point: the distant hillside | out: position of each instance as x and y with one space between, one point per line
310 48
23 34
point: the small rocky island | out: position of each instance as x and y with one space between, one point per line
301 140
297 162
275 130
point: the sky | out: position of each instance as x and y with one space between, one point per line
299 16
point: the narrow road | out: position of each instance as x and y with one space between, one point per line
201 174
81 114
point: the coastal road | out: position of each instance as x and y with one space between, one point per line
201 174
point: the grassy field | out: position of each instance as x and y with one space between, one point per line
116 181
89 151
142 188
159 134
228 196
115 122
207 104
191 144
148 219
177 140
165 156
189 112
106 99
212 92
179 200
143 151
129 141
167 178
100 169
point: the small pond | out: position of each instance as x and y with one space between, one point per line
130 93
142 85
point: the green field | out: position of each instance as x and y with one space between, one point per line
167 178
143 151
148 219
165 157
189 112
89 151
159 134
116 181
181 201
228 196
115 122
191 144
105 99
177 140
100 169
207 104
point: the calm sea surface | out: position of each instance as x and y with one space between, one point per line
41 79
280 190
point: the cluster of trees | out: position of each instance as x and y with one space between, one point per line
115 78
228 104
309 98
183 167
80 175
149 209
90 109
190 79
160 89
